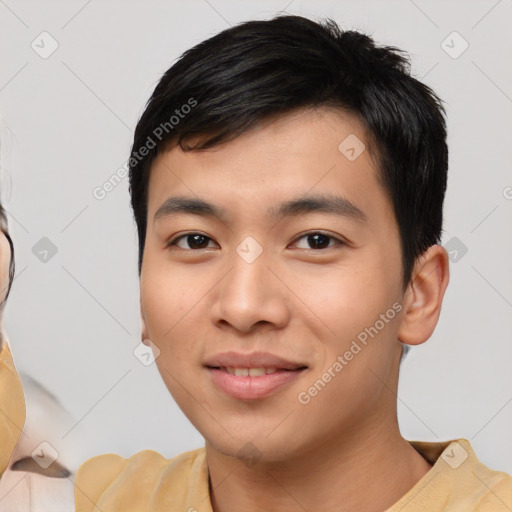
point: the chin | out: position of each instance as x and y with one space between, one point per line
254 448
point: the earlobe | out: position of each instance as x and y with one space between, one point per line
424 296
144 331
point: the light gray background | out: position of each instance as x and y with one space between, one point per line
68 120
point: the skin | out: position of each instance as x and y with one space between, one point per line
343 450
5 258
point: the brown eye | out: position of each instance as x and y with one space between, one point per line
318 240
192 240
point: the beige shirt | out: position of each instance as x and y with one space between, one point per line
12 407
457 482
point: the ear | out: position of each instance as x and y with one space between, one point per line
144 330
424 296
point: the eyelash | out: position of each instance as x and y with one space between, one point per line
338 241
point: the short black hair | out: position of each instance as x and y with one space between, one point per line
227 84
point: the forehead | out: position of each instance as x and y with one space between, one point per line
313 152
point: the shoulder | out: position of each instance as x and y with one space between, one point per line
116 482
12 406
462 480
492 489
458 480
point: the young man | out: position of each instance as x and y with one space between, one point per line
287 181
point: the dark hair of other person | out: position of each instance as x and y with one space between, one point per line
3 228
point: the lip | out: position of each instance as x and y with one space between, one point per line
252 360
252 388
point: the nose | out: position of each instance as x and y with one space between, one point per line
251 294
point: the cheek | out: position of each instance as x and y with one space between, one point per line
342 299
173 300
348 303
163 304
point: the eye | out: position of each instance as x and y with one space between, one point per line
193 240
319 240
316 240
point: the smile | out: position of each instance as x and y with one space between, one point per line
252 383
249 372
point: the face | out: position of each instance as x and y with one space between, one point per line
309 295
5 258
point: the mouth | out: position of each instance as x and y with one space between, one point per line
254 362
253 372
252 383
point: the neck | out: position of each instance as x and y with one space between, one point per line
367 469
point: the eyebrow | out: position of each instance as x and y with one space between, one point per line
322 203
